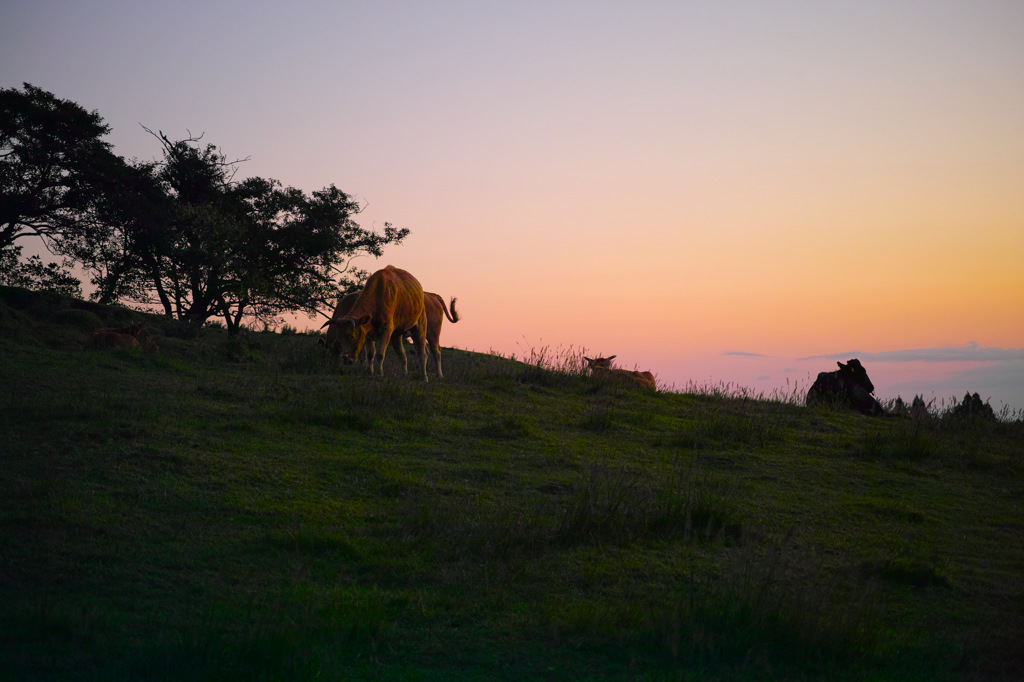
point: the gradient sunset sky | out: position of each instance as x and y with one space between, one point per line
718 192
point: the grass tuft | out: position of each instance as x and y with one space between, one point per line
906 572
615 505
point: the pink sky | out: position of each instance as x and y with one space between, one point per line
665 181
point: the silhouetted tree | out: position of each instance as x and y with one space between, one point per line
181 234
972 407
33 274
51 160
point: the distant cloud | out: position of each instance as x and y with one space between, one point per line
1011 377
1003 384
969 352
943 374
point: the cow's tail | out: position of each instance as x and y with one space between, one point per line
453 316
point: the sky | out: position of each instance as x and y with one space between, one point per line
735 193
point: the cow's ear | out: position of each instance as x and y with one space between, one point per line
610 357
841 365
363 321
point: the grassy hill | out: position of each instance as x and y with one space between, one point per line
243 509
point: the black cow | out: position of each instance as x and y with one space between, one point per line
849 386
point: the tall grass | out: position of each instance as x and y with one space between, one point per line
563 359
792 394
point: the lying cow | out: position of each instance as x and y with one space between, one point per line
132 336
103 338
390 304
602 367
849 386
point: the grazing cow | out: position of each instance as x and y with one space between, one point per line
330 340
602 367
849 386
390 304
436 312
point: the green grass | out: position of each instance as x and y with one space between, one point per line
244 509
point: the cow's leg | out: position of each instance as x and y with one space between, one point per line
370 354
435 350
381 347
398 343
419 338
865 403
434 342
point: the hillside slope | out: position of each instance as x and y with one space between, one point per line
244 509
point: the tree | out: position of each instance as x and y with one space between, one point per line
181 234
51 157
32 274
53 165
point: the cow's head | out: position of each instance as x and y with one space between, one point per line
599 363
350 338
331 342
853 375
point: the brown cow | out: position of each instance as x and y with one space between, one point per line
602 367
132 336
436 312
330 340
390 304
108 338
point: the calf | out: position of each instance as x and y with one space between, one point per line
602 367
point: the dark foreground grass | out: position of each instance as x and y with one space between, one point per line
241 509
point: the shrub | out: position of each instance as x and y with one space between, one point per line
972 408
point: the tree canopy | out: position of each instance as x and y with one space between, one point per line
33 274
179 234
51 158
